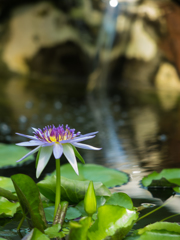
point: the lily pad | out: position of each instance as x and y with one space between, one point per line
71 190
112 221
10 153
166 178
120 199
29 198
96 173
7 209
157 231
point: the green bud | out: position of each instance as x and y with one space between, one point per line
90 203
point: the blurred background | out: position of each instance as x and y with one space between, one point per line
97 65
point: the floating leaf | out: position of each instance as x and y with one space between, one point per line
112 221
166 178
96 173
157 231
78 230
29 198
7 209
120 199
10 153
71 190
72 213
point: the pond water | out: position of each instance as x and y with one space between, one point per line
139 129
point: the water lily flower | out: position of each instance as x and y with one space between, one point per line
57 141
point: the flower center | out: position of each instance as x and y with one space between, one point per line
53 134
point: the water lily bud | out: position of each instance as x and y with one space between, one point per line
90 203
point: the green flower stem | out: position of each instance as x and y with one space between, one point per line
58 186
170 217
153 211
21 222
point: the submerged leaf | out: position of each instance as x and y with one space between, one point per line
29 198
71 190
96 173
112 221
7 209
10 153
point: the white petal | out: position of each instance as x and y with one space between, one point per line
79 139
88 134
28 154
85 146
69 153
30 143
44 157
57 150
27 136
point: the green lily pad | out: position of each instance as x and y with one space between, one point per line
71 190
29 198
96 173
157 231
112 221
7 209
10 153
120 199
72 213
166 178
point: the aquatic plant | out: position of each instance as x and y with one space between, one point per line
57 141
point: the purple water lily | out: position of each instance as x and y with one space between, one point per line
57 141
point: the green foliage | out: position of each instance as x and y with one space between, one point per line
71 190
120 199
166 178
29 198
109 177
7 209
112 221
71 213
157 231
10 153
78 230
53 231
7 184
35 234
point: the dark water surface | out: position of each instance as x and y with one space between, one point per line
139 129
